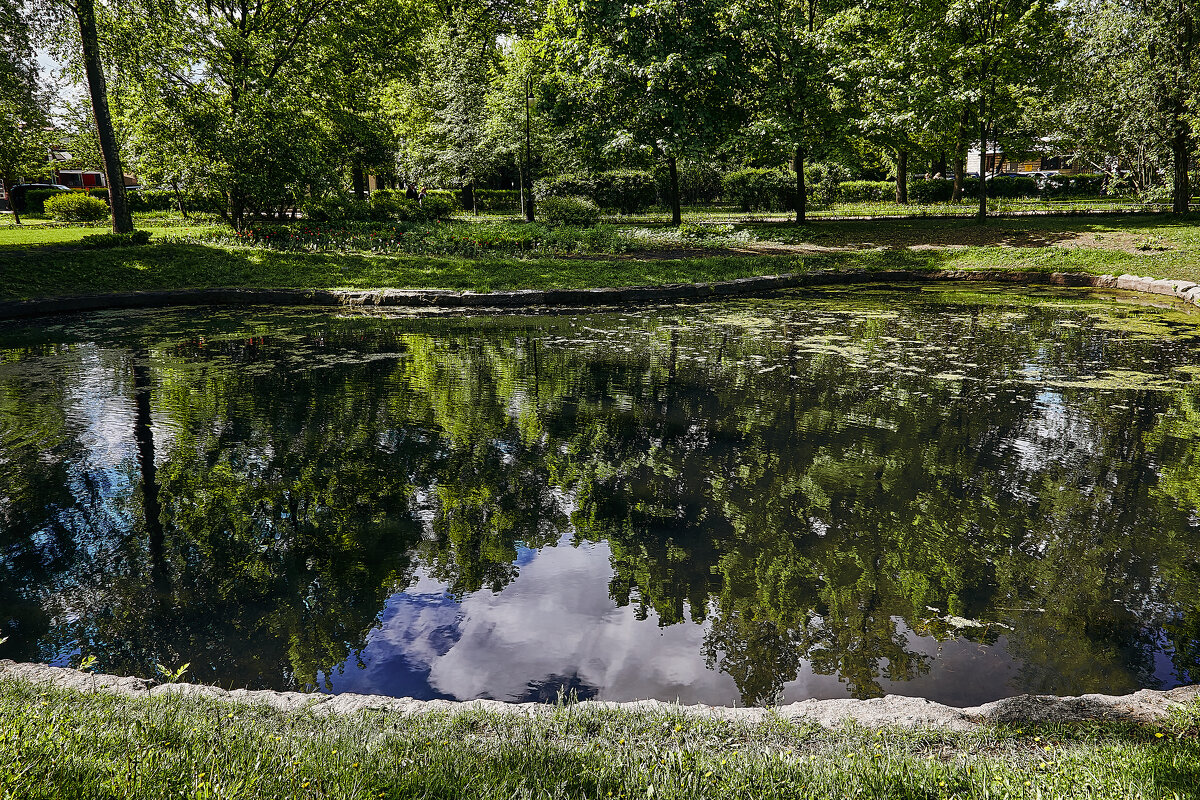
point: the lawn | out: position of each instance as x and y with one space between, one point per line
41 261
68 744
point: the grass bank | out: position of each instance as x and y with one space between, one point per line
42 262
68 744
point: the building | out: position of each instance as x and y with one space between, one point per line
995 161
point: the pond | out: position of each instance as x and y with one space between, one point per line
956 494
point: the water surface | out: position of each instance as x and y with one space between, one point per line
961 495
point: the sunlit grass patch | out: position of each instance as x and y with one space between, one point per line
60 744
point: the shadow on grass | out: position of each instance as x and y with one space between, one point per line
1021 232
57 270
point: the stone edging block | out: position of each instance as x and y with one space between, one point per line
1146 706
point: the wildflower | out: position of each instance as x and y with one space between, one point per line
1158 735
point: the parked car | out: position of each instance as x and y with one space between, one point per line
17 200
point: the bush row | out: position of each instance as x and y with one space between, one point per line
75 207
756 189
775 190
622 190
385 205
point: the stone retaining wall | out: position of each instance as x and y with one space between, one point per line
579 298
1146 706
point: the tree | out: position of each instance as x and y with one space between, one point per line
792 94
516 129
81 17
903 103
664 74
23 142
1007 55
1133 83
239 79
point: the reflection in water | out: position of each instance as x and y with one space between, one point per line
957 495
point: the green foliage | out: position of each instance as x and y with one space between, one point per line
865 191
1012 186
497 200
1076 186
626 191
35 200
754 189
569 184
103 241
23 121
166 200
623 191
569 211
930 191
75 207
438 206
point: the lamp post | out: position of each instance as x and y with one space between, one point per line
528 161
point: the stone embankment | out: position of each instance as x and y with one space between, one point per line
581 298
907 712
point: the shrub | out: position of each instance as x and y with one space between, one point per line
699 182
386 204
34 200
508 200
930 191
75 207
336 209
1011 186
866 191
569 211
568 185
104 240
1079 186
760 189
438 205
625 190
455 198
821 181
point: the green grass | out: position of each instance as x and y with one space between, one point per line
41 261
66 744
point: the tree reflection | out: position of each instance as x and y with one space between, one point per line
816 494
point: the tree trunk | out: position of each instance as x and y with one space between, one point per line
357 179
11 204
143 434
114 173
1181 194
179 199
982 214
801 189
676 211
237 208
960 153
939 166
902 177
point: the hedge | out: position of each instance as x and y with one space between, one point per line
35 200
756 189
498 200
385 205
75 207
623 190
165 200
866 191
569 211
